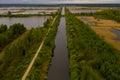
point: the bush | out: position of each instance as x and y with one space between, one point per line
10 34
3 28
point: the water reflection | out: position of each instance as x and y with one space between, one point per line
29 22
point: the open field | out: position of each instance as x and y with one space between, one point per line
104 29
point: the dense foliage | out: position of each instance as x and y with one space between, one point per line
3 28
8 35
18 56
40 68
107 14
90 57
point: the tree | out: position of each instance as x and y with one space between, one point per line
3 28
9 13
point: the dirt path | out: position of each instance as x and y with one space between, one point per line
36 54
12 43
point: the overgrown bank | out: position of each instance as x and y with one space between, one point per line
90 57
8 35
18 56
41 65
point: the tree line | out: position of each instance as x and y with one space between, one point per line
7 35
112 14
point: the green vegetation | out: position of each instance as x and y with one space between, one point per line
8 35
23 15
109 14
113 14
90 57
3 28
18 56
40 68
27 15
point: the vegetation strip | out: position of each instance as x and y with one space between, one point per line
36 54
12 43
18 56
8 35
90 57
26 15
41 65
113 14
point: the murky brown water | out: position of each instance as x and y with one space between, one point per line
59 69
117 32
29 22
88 22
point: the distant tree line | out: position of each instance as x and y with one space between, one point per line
113 14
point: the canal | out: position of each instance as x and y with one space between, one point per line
59 68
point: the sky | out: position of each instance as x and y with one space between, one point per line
59 1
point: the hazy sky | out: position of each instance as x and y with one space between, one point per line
59 1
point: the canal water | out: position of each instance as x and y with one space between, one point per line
59 68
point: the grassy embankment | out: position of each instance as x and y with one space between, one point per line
90 57
9 35
18 56
41 65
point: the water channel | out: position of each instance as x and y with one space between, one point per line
59 68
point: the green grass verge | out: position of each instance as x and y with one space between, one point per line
90 57
18 56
